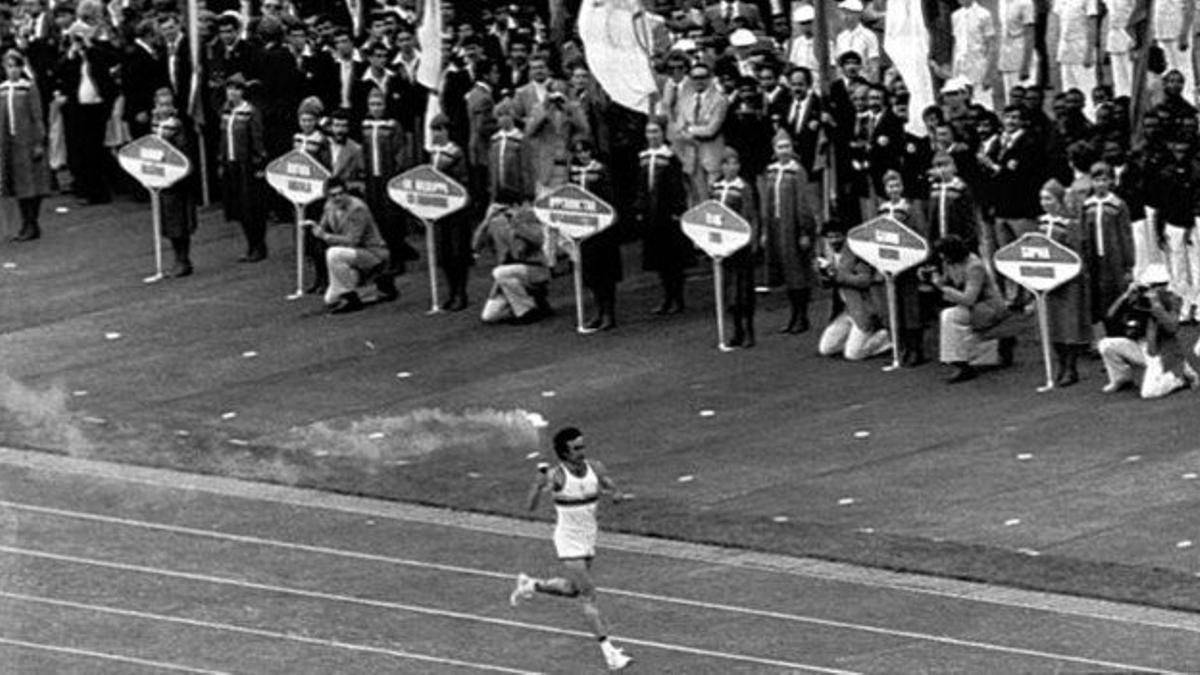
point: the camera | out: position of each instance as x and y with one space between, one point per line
925 273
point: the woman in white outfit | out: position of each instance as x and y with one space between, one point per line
576 485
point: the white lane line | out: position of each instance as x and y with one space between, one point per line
651 597
161 665
415 609
256 632
808 568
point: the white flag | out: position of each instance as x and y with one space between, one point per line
906 42
429 36
615 43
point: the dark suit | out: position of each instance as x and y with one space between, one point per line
278 97
85 121
177 62
717 19
318 77
143 71
802 120
458 81
392 90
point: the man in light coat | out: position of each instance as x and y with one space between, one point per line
698 140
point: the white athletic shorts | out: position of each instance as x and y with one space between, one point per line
574 541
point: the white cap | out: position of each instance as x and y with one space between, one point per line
684 45
803 14
851 5
1155 273
956 83
742 38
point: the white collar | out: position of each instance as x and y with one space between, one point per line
369 76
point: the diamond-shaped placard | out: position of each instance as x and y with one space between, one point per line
298 177
427 193
716 229
155 163
887 245
1038 263
574 211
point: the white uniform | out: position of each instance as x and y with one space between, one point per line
973 27
1118 45
1073 17
575 504
1015 18
1167 23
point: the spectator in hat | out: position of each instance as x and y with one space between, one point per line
803 48
242 158
741 61
481 105
177 204
1149 347
974 52
857 38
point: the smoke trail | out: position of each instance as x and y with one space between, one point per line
39 418
380 441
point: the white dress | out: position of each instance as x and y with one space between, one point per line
575 504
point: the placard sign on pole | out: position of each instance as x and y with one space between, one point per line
1040 265
430 195
577 214
720 232
156 164
300 178
890 247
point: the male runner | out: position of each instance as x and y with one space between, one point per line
576 485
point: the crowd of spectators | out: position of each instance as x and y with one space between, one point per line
1021 139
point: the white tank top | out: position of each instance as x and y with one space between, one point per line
576 500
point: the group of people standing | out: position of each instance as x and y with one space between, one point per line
745 116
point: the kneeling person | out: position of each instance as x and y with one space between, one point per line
514 235
354 249
856 331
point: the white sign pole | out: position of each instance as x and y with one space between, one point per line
431 256
156 218
299 253
577 272
719 291
1044 329
889 281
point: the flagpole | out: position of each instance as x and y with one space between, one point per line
1141 66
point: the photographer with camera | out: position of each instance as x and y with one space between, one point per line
857 329
1148 312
